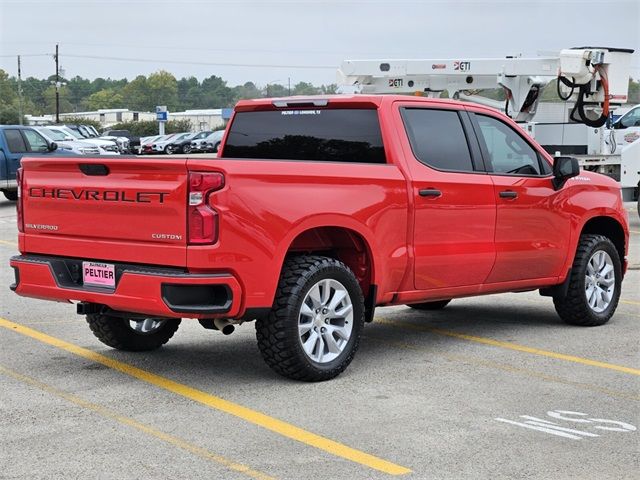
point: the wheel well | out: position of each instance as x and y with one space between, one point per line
341 243
608 227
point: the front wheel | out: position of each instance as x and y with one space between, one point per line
314 327
133 335
594 286
169 150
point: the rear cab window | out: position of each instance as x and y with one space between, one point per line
307 134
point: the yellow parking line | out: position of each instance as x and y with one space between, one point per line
507 368
513 346
252 416
11 244
630 302
105 412
633 231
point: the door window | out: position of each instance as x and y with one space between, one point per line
15 141
36 142
631 118
508 152
437 138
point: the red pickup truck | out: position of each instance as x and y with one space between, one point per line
316 211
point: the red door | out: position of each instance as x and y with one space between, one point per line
532 231
454 200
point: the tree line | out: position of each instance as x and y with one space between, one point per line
143 93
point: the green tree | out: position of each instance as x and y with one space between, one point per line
246 91
134 94
162 89
107 98
304 88
216 93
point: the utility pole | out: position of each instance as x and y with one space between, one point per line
289 78
20 91
57 87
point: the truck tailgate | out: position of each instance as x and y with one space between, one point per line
123 209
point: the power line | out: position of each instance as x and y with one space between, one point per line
210 64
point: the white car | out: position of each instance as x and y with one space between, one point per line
122 142
75 146
106 147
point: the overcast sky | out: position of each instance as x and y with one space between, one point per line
271 41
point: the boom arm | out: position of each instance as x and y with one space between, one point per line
596 77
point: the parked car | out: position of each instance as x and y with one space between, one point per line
208 142
212 142
134 140
316 212
187 145
146 144
162 145
107 147
15 142
122 142
176 145
78 147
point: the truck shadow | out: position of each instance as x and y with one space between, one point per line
214 361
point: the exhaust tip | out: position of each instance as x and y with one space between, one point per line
228 329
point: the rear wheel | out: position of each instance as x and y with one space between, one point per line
216 146
594 286
134 335
11 195
439 305
186 149
314 328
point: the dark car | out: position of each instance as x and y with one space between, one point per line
184 145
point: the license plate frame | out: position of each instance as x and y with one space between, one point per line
98 274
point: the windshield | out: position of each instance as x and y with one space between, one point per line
53 134
70 133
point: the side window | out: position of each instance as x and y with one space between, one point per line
36 142
437 138
508 152
631 119
15 142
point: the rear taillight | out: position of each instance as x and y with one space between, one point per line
19 202
202 218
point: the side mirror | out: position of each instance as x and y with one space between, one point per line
52 147
563 169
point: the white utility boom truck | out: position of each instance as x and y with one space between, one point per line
593 80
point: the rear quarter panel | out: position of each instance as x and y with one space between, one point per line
265 205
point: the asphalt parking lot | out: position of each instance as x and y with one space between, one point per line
490 387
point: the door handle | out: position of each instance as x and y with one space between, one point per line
430 192
508 194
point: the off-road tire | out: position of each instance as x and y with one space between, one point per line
439 305
115 332
11 195
277 335
574 308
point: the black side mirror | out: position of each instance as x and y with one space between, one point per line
52 147
563 169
